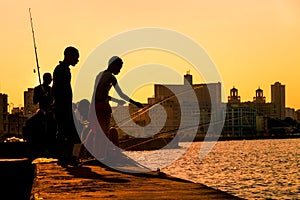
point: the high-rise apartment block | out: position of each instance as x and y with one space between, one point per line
3 114
278 98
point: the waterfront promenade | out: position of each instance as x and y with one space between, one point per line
95 181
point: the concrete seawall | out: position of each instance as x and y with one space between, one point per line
95 181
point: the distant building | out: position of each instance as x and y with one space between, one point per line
244 118
261 125
297 114
278 98
16 121
127 118
3 114
290 112
197 111
234 96
188 78
259 96
29 107
240 117
261 106
240 121
206 95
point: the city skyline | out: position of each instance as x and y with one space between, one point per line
12 105
253 44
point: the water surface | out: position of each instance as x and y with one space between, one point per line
251 169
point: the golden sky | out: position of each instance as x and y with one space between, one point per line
252 43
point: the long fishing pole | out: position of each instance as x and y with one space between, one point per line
35 49
151 106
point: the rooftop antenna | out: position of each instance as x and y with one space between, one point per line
35 49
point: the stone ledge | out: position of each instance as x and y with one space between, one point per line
95 181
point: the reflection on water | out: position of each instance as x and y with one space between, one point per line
251 169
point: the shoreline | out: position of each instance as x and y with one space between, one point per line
146 144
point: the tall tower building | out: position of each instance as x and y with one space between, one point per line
278 98
3 113
188 78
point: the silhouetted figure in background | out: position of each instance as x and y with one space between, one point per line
40 130
83 128
104 81
42 96
83 108
67 135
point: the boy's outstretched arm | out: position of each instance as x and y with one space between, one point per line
125 97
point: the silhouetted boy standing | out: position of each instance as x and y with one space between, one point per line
62 92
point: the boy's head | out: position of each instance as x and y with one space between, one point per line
71 55
115 64
83 108
47 78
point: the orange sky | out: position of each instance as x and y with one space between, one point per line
253 43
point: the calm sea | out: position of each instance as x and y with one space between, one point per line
250 169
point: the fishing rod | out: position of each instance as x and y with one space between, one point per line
172 132
151 106
35 49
